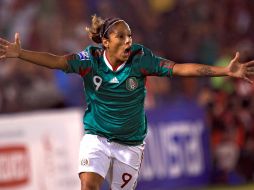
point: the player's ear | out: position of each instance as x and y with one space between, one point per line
105 42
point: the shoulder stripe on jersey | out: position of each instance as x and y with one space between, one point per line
85 71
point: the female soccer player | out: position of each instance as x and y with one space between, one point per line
114 75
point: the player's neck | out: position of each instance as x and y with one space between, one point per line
113 61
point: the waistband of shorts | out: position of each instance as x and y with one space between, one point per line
113 139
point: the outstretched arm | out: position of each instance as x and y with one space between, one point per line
14 50
234 69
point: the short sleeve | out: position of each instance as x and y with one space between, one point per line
152 65
79 63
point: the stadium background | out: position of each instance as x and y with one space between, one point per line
204 31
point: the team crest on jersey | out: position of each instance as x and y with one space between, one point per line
131 83
84 55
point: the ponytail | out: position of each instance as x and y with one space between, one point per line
95 28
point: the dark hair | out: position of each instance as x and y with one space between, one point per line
99 28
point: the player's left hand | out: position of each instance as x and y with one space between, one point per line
241 70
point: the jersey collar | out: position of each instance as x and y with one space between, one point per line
109 65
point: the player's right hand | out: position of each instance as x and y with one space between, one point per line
8 49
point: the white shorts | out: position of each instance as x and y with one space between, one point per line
119 164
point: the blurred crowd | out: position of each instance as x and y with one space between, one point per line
204 31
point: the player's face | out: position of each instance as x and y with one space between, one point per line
119 42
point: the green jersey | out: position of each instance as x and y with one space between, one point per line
115 99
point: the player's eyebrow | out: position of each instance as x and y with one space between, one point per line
117 33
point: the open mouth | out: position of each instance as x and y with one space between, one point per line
127 51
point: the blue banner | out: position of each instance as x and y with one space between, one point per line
177 148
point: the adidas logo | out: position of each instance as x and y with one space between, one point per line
114 80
